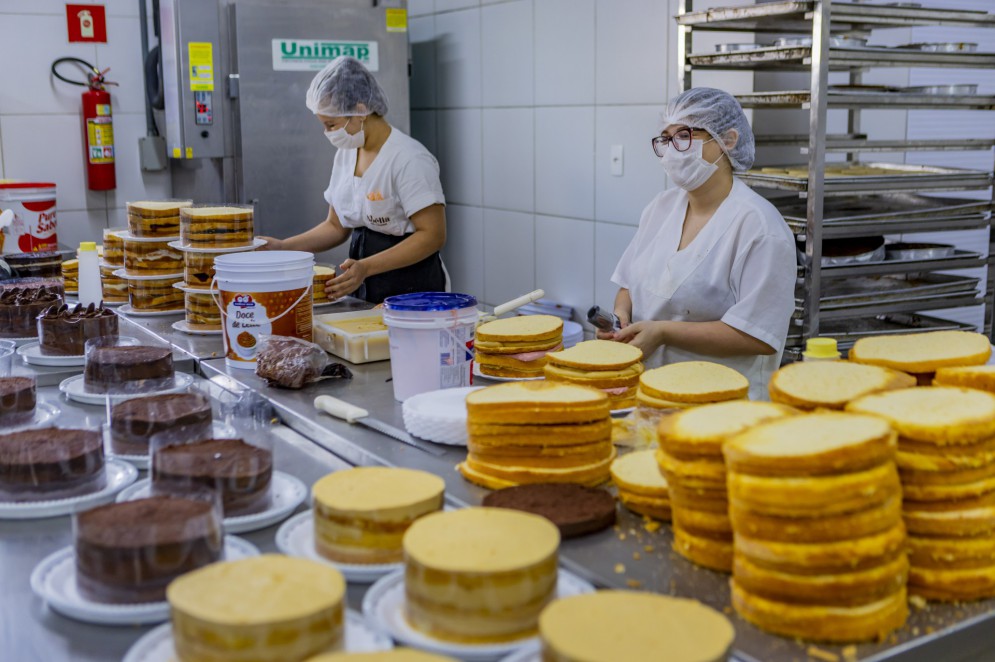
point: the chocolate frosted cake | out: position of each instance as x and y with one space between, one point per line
46 264
133 422
63 331
240 471
129 552
49 459
17 400
141 364
21 301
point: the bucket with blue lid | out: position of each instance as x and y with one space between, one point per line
431 341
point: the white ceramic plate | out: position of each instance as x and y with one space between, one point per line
44 414
477 373
54 581
75 391
325 304
296 538
114 304
184 327
31 353
157 645
256 243
22 341
529 653
128 310
438 416
119 475
286 493
127 275
383 607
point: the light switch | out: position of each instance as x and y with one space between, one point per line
617 161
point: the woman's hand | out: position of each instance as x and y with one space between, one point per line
272 244
354 272
623 320
646 335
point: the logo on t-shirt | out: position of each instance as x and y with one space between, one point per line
378 220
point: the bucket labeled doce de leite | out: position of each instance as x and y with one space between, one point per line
431 341
33 229
266 293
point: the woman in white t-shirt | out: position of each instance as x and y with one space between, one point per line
710 274
384 193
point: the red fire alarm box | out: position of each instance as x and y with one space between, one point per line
86 23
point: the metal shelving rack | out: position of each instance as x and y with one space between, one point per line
838 207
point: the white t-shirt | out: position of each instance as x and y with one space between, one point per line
402 180
740 269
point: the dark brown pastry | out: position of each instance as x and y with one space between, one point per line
240 471
22 300
141 364
133 422
17 398
574 509
35 265
129 552
63 331
49 459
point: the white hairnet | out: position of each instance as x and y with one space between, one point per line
343 84
719 113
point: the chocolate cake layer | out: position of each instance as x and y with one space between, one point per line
240 471
63 331
129 552
17 397
49 458
107 366
135 421
22 300
574 509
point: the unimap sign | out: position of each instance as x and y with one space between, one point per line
314 54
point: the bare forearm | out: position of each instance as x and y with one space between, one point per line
623 305
711 338
415 248
322 237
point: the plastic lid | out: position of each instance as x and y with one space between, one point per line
12 185
85 246
821 348
430 301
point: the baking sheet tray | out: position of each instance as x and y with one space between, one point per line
800 57
958 260
898 177
905 206
868 98
864 290
849 331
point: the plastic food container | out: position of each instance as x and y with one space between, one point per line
145 256
114 246
202 312
355 340
114 289
155 218
207 226
154 292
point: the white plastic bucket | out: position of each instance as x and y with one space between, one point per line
431 341
34 227
266 293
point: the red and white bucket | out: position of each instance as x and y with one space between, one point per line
34 224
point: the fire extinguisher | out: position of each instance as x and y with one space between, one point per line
98 128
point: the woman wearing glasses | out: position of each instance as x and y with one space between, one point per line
710 274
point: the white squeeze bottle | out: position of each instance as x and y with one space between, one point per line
816 349
89 274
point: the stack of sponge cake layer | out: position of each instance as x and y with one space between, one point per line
922 354
946 460
832 384
641 486
818 534
690 457
516 347
609 366
690 384
537 432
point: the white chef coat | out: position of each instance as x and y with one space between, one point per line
740 269
402 180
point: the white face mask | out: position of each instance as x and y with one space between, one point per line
688 169
342 139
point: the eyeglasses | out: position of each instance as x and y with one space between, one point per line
681 140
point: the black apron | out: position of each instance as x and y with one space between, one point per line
424 276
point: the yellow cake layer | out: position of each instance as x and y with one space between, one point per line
955 585
522 328
694 382
566 434
981 377
923 352
594 454
655 507
951 553
268 607
703 430
638 473
538 402
394 655
819 557
821 528
581 473
381 494
938 414
968 522
706 552
651 403
705 523
704 472
593 355
832 384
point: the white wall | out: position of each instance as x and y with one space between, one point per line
41 135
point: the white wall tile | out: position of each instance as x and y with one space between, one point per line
622 199
460 158
565 161
509 255
132 182
464 250
84 225
509 172
1 157
632 54
458 58
423 129
506 43
610 241
123 54
420 7
565 250
49 148
564 56
421 32
120 8
28 46
450 5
